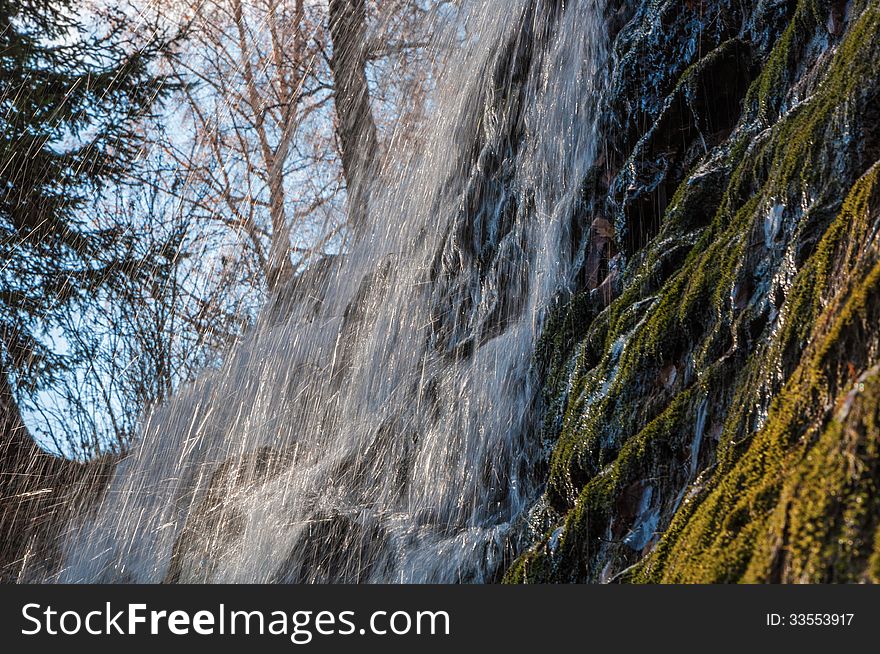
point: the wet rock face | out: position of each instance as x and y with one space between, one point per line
217 525
717 420
481 267
680 73
316 555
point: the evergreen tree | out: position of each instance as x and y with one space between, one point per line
70 104
71 100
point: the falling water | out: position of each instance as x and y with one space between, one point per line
381 427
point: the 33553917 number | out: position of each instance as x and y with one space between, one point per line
810 619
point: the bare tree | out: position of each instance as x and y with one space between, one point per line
213 215
252 144
285 118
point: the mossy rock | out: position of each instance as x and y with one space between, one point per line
744 325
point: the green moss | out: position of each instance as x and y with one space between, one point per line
874 562
820 528
650 455
767 94
733 524
533 565
777 494
810 289
647 335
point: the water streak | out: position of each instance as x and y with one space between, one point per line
382 426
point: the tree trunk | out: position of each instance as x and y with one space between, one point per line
39 493
356 128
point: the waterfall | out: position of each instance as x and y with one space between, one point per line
380 423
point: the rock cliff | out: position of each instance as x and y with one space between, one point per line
711 397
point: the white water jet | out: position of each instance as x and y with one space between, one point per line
384 429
